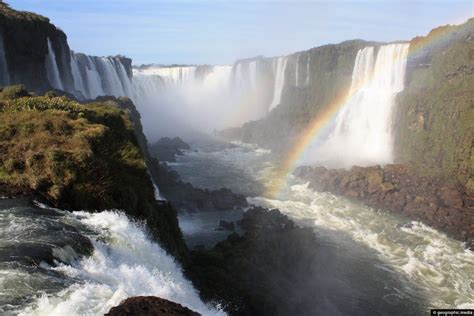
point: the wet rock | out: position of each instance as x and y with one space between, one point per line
397 188
374 179
451 197
150 306
166 149
186 197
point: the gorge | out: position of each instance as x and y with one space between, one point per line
336 180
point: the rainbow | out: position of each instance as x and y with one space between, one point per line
322 120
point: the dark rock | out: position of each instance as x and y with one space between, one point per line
226 225
398 188
185 197
166 149
150 306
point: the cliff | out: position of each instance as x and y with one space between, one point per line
434 117
323 72
25 40
35 53
77 156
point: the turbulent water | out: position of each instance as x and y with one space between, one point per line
434 270
363 128
41 272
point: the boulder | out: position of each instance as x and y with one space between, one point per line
150 306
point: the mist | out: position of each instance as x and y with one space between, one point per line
188 101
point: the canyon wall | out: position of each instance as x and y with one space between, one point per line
434 115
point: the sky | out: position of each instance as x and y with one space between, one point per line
219 32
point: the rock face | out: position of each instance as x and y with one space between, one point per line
25 39
434 118
398 188
150 306
26 42
166 149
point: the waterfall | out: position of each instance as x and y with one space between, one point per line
238 77
111 78
280 68
52 70
76 75
94 83
125 263
4 74
175 75
253 74
124 79
362 133
218 78
296 71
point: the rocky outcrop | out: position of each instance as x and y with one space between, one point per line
185 197
149 306
278 268
81 157
399 188
166 149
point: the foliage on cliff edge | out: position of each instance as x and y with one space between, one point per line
79 156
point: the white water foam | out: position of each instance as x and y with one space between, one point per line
437 264
125 263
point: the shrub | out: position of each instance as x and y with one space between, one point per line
14 92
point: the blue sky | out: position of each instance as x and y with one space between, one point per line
176 31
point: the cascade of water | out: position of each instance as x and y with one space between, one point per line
94 83
253 73
111 78
4 74
296 71
125 263
172 75
52 70
238 76
362 133
76 75
280 68
124 79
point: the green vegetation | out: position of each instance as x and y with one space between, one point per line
79 156
7 11
435 116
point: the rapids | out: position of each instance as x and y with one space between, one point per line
435 270
42 273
